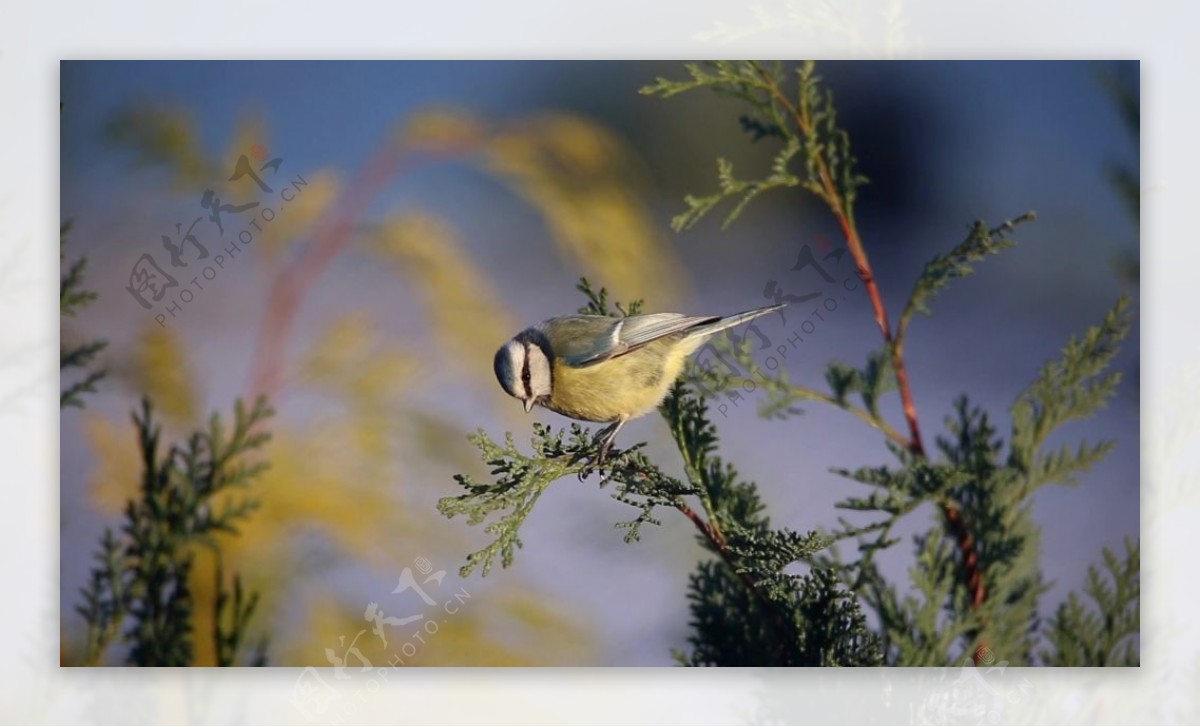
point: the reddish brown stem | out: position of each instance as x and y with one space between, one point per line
288 288
714 536
332 235
705 529
840 208
854 243
970 555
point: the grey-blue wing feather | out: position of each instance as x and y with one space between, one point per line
586 340
581 339
640 330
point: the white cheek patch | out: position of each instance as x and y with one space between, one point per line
539 373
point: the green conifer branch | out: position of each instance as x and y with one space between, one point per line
1104 632
806 129
801 620
939 272
1070 388
72 299
980 565
976 580
138 591
782 395
232 612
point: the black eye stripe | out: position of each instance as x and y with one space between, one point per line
525 374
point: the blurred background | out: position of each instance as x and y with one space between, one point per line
435 208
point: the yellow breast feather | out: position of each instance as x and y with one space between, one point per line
624 387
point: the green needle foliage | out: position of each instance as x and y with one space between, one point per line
975 579
72 299
943 269
1105 634
746 610
138 592
521 478
814 153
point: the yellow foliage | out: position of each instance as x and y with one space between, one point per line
116 463
161 368
481 632
302 213
349 361
439 129
335 479
464 314
249 131
578 174
582 145
317 488
349 343
164 135
339 478
318 483
529 622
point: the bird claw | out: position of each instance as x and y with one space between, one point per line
605 449
604 441
605 438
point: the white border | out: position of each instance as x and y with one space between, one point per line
35 36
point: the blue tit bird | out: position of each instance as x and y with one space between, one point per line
603 369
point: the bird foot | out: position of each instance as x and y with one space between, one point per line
604 440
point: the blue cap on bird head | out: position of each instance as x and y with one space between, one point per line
523 369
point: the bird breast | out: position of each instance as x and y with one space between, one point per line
623 387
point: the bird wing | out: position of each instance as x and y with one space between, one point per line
579 339
593 339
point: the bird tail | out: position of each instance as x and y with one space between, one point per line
721 324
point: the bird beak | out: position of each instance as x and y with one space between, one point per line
528 405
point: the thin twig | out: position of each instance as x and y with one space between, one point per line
839 207
719 543
803 392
